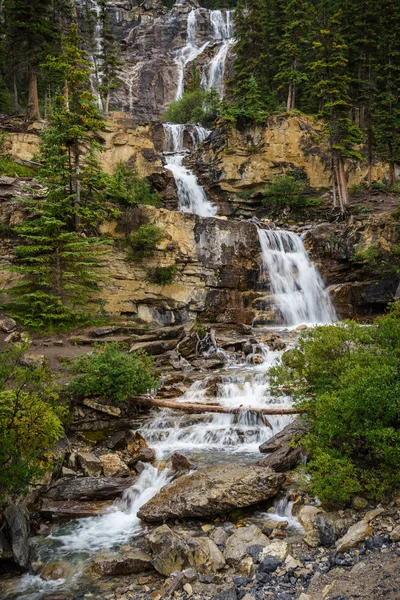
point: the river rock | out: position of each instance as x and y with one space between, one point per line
54 571
213 490
135 442
113 465
174 553
89 463
145 455
284 456
17 519
117 441
356 534
219 536
180 463
71 509
130 563
238 543
89 488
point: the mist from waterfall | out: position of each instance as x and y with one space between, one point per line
296 284
191 196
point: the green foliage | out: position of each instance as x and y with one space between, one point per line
30 421
127 188
346 378
368 255
195 106
112 374
8 166
144 242
285 190
162 275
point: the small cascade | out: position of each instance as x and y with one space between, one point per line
222 31
296 284
188 53
95 51
191 196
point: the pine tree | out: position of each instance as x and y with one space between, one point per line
111 64
332 87
58 271
386 109
293 48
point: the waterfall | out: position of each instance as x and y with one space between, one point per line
191 196
295 282
222 31
188 53
96 74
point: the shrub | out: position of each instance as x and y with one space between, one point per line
30 421
195 106
162 275
285 190
346 378
127 188
367 255
111 374
144 242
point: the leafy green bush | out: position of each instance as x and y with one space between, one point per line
195 106
113 375
368 255
144 242
127 188
31 416
346 378
162 275
285 190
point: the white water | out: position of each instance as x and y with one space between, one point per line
222 31
96 75
296 284
191 196
187 53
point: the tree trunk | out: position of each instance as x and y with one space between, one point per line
392 173
210 408
33 101
289 98
77 182
16 101
342 184
107 104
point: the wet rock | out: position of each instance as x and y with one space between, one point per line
89 463
180 463
8 325
255 359
88 488
113 465
213 490
135 442
130 563
54 571
71 509
117 441
238 543
284 456
215 361
17 519
145 455
356 534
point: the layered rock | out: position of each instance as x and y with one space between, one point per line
212 491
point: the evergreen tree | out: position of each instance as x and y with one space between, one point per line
332 87
386 107
111 65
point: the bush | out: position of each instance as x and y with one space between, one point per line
127 188
346 378
144 242
195 106
162 275
285 190
30 421
112 374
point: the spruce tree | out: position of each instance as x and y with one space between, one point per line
331 83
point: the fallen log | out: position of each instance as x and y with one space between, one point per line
211 408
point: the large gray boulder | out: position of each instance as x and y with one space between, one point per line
284 455
211 491
17 519
89 488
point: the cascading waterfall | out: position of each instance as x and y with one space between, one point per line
222 31
191 196
188 53
296 284
96 74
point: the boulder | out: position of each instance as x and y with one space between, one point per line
278 550
54 571
283 456
89 463
211 491
17 519
135 442
174 553
71 509
238 543
145 455
113 465
129 563
89 488
8 325
117 441
355 535
308 519
180 463
395 534
219 536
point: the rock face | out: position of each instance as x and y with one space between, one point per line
212 491
17 519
